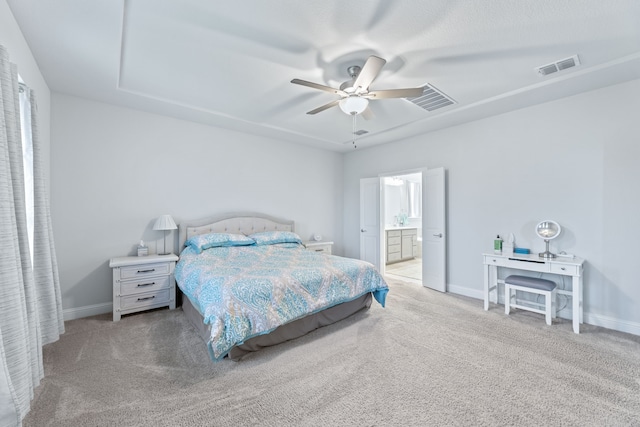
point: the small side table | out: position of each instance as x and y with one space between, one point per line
142 283
315 246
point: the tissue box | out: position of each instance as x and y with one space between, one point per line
143 250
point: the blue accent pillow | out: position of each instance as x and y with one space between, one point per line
215 240
273 237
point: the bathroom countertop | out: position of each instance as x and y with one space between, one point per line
399 227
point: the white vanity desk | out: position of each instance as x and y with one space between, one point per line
532 262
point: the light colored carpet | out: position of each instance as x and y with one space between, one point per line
427 359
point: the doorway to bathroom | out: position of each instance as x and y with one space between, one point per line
402 226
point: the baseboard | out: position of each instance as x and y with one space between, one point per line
592 319
86 311
464 291
612 323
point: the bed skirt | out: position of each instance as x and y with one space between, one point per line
286 332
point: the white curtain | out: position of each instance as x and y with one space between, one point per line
45 264
29 303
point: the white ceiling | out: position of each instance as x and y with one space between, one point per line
230 63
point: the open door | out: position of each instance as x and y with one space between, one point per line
434 257
370 221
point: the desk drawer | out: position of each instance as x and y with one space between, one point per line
566 269
495 260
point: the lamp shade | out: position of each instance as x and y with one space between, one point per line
165 222
353 104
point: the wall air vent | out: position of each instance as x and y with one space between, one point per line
432 99
563 64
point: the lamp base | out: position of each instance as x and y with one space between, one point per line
169 253
546 254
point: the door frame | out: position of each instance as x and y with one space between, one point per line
382 176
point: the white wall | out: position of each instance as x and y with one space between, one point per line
20 54
573 160
114 170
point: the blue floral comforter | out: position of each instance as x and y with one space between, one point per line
245 291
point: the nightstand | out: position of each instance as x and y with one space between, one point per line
324 247
142 283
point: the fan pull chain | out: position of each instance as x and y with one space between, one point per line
354 130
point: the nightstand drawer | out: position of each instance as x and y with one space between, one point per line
320 248
149 285
146 270
141 300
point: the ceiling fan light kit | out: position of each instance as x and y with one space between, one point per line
353 104
355 93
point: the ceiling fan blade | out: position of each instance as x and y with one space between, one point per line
394 93
324 107
318 86
369 72
367 114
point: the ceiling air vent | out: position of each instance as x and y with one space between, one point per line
432 99
361 132
563 64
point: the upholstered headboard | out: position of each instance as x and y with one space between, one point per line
239 223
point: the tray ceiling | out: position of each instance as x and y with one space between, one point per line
229 64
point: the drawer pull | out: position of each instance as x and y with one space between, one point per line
147 271
146 299
562 268
319 250
140 285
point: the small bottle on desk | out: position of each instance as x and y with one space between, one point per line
497 245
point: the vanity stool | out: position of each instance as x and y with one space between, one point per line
532 285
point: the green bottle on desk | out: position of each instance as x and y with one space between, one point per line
497 245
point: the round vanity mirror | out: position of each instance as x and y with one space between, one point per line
547 230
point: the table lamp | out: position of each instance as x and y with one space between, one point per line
164 223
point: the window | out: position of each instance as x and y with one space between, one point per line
27 158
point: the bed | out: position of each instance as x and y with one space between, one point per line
247 282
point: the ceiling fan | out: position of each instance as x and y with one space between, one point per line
355 93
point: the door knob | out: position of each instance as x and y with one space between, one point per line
437 235
363 230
